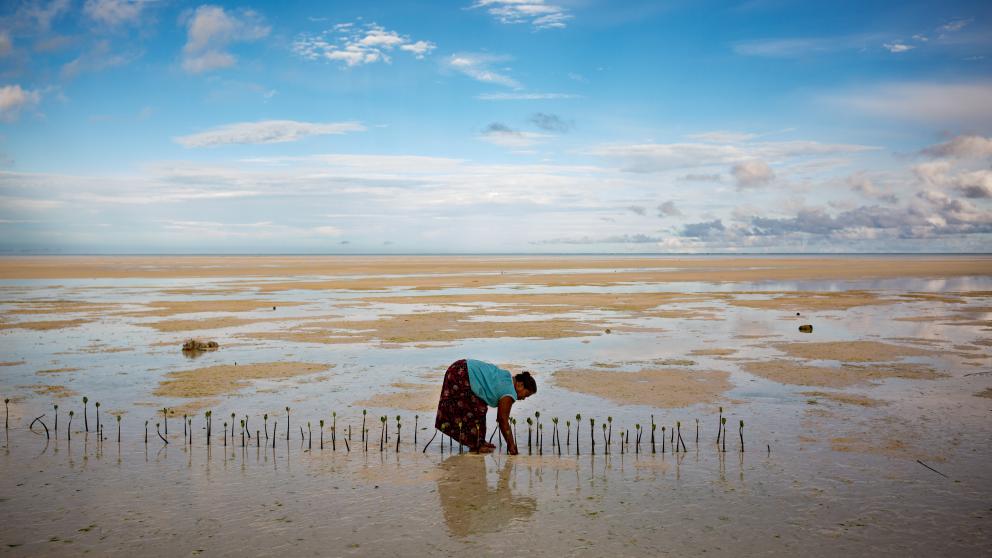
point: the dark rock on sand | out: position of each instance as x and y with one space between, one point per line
200 345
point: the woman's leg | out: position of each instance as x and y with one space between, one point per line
460 413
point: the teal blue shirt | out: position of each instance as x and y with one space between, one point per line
490 382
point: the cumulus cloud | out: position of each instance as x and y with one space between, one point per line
704 230
668 209
551 122
113 12
355 45
14 99
538 13
962 147
479 68
943 104
266 131
210 30
638 209
612 239
500 134
865 186
752 173
524 96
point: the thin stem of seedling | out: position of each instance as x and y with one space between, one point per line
653 427
382 433
275 423
56 422
6 412
98 416
265 425
720 424
578 423
679 425
592 434
697 431
184 427
530 422
723 422
416 424
287 423
741 431
431 441
157 431
606 450
118 429
86 414
68 428
38 419
309 437
322 434
662 440
225 434
609 437
364 413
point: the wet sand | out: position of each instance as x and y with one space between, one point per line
836 420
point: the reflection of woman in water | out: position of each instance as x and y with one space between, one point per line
471 506
470 387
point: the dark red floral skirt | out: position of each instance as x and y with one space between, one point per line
460 412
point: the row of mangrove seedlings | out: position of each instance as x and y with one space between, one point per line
238 432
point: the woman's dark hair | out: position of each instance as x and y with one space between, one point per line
527 381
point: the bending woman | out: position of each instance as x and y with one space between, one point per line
470 387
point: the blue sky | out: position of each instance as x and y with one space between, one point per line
495 126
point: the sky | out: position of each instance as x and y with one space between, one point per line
495 126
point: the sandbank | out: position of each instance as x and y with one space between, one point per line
850 351
662 387
50 390
46 325
798 373
410 397
810 301
173 307
712 352
224 379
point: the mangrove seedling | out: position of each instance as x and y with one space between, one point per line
157 431
302 437
225 434
697 431
416 424
6 412
568 433
637 439
146 431
275 423
86 414
529 446
398 426
334 430
607 449
347 445
460 435
578 423
232 427
621 443
309 437
653 427
513 421
118 429
265 425
242 433
382 433
592 434
723 422
431 441
97 404
663 440
741 431
209 418
555 440
321 434
287 424
190 431
56 420
165 417
364 412
679 426
38 419
68 428
609 437
247 429
184 426
720 422
540 439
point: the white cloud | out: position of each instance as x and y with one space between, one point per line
668 209
13 99
478 67
963 147
98 57
524 96
722 136
656 157
266 131
955 25
897 47
113 12
328 230
942 104
752 173
800 47
504 136
355 46
538 13
211 30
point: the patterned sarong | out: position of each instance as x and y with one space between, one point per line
461 414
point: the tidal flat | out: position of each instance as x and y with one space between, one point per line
869 434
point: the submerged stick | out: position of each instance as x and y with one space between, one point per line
932 469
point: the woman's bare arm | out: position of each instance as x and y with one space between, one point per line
503 419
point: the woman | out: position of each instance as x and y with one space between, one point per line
470 387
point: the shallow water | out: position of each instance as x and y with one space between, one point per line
818 477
